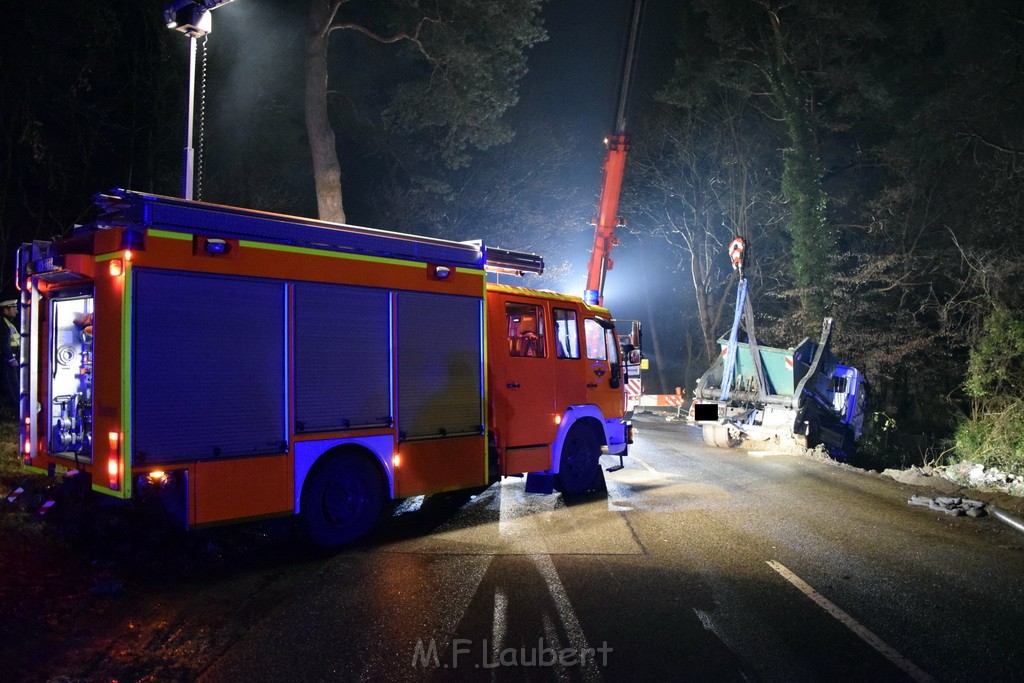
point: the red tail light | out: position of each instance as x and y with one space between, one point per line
114 460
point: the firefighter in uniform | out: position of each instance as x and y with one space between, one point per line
10 354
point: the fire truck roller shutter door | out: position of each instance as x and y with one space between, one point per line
208 358
440 365
342 357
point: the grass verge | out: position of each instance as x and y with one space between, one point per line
994 439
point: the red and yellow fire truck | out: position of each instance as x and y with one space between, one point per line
239 364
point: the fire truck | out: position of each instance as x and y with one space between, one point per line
235 365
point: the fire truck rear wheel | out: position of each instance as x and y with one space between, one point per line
580 464
342 499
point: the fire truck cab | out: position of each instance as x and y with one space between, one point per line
556 384
235 364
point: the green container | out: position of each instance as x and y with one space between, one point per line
783 368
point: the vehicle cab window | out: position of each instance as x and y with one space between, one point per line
603 346
611 342
567 335
596 347
525 330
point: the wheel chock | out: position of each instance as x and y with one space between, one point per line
538 482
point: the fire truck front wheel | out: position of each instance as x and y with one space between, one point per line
580 465
342 499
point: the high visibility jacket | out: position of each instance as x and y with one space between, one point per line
13 337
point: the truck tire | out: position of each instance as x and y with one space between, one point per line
720 436
342 499
579 466
810 434
726 438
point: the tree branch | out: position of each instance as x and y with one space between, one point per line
331 13
372 35
975 135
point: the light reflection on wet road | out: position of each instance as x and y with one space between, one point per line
666 577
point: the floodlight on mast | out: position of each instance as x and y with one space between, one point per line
191 17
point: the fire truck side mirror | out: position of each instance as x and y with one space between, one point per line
615 379
633 357
635 335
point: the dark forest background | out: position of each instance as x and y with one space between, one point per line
871 153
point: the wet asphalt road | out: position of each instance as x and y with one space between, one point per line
699 564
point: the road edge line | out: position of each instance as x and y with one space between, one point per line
849 622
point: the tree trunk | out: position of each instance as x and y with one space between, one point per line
326 169
701 295
659 359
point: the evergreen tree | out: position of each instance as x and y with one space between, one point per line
461 62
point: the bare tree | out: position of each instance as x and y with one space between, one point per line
699 179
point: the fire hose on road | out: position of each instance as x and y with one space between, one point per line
1007 518
970 508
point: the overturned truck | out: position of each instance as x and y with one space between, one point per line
806 396
801 395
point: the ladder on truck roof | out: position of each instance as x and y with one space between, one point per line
134 210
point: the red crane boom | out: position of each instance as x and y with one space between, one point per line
617 145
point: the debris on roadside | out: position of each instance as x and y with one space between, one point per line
978 476
915 476
949 479
951 506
